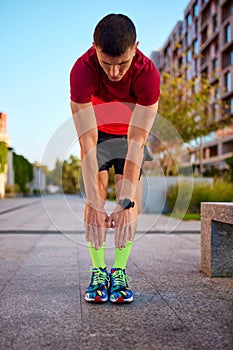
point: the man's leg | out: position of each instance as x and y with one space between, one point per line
98 288
121 257
97 256
119 291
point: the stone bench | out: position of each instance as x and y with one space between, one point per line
217 239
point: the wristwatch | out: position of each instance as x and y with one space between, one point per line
126 203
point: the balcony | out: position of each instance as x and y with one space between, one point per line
222 2
204 5
208 41
226 46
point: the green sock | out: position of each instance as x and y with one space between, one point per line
97 256
122 256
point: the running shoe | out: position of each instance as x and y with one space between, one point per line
98 288
119 290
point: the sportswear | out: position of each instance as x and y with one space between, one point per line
119 291
126 203
98 288
122 256
112 151
97 256
114 102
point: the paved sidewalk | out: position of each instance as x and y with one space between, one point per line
43 277
65 213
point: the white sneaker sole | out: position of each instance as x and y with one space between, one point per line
120 300
96 300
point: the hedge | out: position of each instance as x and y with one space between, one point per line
219 191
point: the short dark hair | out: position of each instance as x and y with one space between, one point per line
114 34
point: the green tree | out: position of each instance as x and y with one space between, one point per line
192 107
23 172
3 156
70 175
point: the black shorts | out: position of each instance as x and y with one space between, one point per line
112 151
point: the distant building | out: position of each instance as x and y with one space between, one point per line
39 179
202 43
7 177
3 129
10 168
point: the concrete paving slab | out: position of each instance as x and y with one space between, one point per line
13 253
205 305
40 306
16 203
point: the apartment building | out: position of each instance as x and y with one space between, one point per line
202 43
4 138
3 129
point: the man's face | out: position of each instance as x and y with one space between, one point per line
116 67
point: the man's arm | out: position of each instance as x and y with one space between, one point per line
139 128
85 123
96 217
140 125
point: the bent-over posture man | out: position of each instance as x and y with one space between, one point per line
114 100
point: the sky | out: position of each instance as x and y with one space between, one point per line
41 40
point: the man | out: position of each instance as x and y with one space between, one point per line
114 100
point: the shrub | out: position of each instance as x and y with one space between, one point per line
11 190
220 191
23 172
180 205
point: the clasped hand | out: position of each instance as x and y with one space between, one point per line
97 221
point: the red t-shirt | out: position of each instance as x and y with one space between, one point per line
113 102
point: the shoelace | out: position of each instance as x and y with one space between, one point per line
99 277
119 278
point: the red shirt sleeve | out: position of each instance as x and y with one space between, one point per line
82 82
147 85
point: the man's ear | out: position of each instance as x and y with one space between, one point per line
136 44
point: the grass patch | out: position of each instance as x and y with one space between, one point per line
188 216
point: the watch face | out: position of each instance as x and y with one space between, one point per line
126 203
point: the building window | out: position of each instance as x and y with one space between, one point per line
227 31
189 20
187 38
189 56
196 27
196 67
195 10
212 50
215 24
227 58
204 36
229 105
195 47
217 93
227 81
215 64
